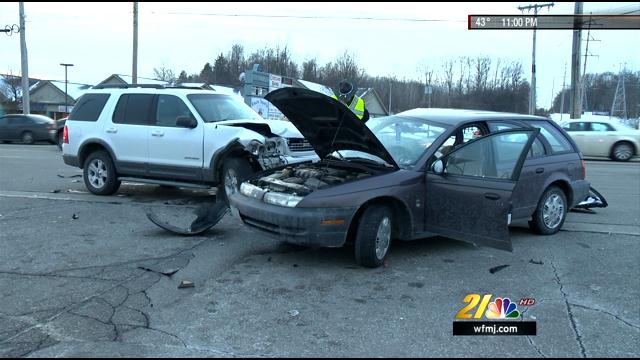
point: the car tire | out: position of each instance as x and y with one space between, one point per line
234 171
622 151
99 174
373 237
550 213
59 140
27 137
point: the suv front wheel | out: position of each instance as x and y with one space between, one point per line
99 174
234 172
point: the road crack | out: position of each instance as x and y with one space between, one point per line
566 301
608 313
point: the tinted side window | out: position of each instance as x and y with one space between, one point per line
576 126
170 108
89 107
555 138
134 109
3 121
601 127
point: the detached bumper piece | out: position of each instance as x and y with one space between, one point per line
209 214
594 200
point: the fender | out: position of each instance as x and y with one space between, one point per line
234 147
82 156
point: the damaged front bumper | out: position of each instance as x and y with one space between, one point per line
314 227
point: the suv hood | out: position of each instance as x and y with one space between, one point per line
323 120
276 127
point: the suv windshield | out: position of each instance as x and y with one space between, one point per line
214 107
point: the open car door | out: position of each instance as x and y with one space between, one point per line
468 192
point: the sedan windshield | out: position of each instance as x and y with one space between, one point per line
406 139
215 107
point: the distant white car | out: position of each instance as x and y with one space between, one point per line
603 137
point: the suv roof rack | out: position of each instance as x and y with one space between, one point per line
128 86
147 86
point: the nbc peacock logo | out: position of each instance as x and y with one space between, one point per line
502 309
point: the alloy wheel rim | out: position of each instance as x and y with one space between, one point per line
383 238
553 211
623 152
98 173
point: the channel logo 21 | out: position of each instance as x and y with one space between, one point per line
500 308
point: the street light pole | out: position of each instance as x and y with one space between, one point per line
66 97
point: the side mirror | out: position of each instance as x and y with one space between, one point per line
438 167
186 122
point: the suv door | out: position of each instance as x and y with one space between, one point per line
174 152
128 133
470 198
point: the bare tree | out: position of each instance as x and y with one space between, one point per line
164 74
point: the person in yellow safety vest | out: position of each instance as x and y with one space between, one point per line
355 103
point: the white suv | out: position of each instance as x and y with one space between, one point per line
175 136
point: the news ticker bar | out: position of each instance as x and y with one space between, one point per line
494 328
554 22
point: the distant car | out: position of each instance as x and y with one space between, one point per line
26 128
57 136
463 174
606 138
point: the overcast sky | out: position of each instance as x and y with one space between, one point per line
97 37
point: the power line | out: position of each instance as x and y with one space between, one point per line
308 17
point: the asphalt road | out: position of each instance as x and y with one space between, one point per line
105 281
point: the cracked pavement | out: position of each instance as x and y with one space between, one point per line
106 284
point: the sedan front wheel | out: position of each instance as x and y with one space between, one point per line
373 237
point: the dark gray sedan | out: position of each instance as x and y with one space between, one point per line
461 174
26 128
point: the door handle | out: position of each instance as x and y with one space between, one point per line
157 133
539 170
491 196
111 130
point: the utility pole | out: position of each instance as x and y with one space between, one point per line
24 61
583 88
575 107
66 97
532 93
564 82
390 96
134 70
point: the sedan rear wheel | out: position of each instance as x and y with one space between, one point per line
622 152
27 137
550 213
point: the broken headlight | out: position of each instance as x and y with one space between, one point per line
282 199
252 191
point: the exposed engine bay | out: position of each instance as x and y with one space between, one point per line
303 179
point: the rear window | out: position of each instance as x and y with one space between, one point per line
134 109
559 144
89 107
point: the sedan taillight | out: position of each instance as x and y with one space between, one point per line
65 135
584 169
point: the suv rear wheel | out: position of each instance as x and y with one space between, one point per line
234 171
550 213
99 174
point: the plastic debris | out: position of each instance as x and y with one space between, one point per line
185 284
536 262
495 269
55 191
595 199
294 313
74 216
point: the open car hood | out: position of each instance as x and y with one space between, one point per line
323 120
